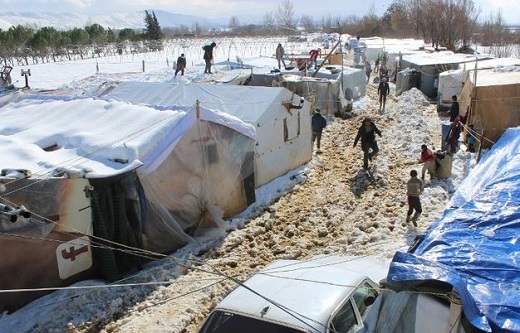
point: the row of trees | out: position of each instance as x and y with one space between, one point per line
449 23
21 44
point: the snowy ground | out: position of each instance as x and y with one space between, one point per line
326 207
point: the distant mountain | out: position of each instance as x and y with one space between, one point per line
135 20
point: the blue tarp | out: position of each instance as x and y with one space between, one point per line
475 245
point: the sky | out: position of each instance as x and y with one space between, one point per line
241 8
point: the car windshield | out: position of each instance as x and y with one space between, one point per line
227 322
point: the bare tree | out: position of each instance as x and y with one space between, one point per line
269 22
233 23
467 20
285 15
307 23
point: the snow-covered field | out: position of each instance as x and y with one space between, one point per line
326 207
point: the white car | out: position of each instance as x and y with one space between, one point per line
324 294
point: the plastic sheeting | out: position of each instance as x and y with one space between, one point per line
450 83
209 176
283 132
475 245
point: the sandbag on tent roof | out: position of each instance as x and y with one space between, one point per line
281 118
129 174
474 246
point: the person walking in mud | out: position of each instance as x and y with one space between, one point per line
414 189
368 70
383 90
318 123
367 133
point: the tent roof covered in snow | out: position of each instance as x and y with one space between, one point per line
95 138
474 246
438 58
247 103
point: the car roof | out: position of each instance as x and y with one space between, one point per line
309 290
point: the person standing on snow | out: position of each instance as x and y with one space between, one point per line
383 90
367 133
414 189
181 64
318 123
429 162
280 54
208 56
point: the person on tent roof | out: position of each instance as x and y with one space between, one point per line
181 64
280 54
314 54
208 56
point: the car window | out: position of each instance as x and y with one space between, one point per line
344 320
364 296
228 322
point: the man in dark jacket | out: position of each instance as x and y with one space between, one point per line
367 133
454 109
383 90
318 123
181 64
208 56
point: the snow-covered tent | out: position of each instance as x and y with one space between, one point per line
281 118
430 65
492 98
83 176
331 89
473 249
451 82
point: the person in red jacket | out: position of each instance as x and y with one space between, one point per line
314 57
428 160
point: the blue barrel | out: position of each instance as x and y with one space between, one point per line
445 124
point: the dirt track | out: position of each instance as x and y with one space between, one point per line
337 210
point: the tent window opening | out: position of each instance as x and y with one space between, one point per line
291 128
212 153
285 130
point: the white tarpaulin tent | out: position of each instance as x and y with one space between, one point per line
450 84
281 118
130 174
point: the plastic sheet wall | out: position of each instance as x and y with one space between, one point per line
205 179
